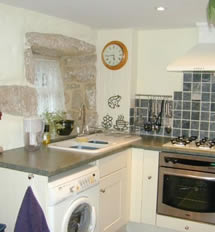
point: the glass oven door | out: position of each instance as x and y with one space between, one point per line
187 194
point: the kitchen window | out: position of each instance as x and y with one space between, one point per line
49 86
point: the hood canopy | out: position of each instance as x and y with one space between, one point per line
202 56
199 58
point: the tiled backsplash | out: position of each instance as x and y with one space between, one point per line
193 108
139 116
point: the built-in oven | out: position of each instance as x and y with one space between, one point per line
187 187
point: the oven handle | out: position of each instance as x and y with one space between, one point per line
187 173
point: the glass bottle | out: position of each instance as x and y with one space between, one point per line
46 135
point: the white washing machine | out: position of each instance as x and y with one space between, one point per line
73 202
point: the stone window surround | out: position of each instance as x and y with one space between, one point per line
77 61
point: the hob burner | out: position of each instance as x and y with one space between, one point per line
205 143
183 140
191 143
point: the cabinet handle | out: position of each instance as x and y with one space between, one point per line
102 190
149 177
186 228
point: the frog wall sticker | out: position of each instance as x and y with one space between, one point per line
113 102
120 124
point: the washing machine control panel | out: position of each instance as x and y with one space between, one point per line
72 185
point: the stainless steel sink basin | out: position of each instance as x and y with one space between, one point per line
93 144
89 144
97 142
82 147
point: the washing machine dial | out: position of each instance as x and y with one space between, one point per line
71 189
92 179
78 188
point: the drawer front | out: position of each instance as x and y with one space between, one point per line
113 163
183 225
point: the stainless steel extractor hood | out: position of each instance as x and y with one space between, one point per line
201 57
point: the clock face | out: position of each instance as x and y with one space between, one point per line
114 55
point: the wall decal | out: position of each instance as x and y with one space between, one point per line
121 124
107 121
113 101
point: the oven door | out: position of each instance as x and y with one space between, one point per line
187 194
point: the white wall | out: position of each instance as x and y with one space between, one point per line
14 23
116 82
149 53
156 49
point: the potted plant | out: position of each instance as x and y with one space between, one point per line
58 123
211 12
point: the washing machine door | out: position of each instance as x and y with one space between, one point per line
80 217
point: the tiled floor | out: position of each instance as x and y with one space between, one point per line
137 227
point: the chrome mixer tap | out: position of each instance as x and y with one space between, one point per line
82 117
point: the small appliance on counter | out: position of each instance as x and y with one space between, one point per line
33 133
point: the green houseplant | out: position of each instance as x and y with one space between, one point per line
211 12
51 118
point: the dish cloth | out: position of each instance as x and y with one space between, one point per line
30 217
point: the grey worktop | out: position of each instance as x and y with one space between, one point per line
50 162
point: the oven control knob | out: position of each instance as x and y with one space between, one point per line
186 227
167 160
173 161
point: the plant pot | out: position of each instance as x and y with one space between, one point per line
64 127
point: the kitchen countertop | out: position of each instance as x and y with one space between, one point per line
49 162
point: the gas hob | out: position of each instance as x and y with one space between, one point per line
191 143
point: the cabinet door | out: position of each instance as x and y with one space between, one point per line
144 177
113 201
136 184
149 187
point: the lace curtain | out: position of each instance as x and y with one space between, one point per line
49 86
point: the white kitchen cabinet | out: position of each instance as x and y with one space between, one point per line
114 191
144 181
183 225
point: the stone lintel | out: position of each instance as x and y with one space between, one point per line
74 61
57 45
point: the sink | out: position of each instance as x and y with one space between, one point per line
82 147
95 143
88 144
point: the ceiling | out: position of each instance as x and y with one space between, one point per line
104 14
